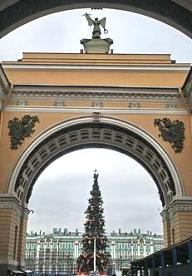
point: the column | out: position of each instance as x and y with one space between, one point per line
113 250
174 259
134 270
138 250
37 256
153 266
146 269
144 249
163 265
22 236
57 256
76 245
132 251
190 255
51 260
44 255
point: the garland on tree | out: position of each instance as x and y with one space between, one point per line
94 229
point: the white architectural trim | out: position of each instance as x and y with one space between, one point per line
145 67
64 109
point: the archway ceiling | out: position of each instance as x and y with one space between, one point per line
176 13
94 135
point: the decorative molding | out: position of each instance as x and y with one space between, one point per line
106 110
4 83
134 105
9 202
182 208
187 90
187 87
22 103
172 132
171 105
177 205
97 104
21 129
96 117
100 67
36 93
59 103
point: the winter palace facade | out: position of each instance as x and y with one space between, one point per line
57 252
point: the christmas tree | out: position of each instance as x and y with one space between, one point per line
94 256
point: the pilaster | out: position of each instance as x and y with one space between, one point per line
177 220
13 221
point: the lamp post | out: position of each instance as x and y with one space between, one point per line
94 255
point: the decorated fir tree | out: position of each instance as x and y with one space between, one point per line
94 243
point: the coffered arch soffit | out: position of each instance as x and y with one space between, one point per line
86 133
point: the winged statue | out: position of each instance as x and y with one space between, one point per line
96 25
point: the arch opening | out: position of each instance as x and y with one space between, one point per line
62 190
97 135
67 182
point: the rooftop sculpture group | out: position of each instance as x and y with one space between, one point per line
96 25
96 44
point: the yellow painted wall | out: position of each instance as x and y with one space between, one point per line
47 120
172 76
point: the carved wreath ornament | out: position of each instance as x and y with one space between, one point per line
21 129
171 131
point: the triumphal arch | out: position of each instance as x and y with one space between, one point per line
54 103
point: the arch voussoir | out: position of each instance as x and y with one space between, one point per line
106 134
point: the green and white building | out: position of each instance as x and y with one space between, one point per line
57 252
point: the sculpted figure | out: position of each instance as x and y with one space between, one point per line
96 25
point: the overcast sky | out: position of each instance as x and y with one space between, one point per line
62 32
130 196
60 194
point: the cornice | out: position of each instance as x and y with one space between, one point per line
187 87
4 83
187 90
130 94
100 67
11 202
178 204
